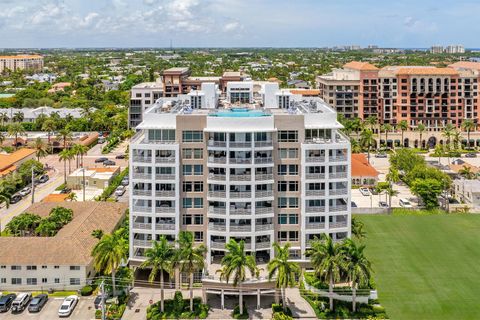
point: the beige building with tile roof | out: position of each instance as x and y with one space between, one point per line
61 262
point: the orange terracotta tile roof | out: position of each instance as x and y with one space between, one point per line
21 57
60 197
361 167
8 160
88 140
105 169
306 92
362 66
426 71
466 65
8 170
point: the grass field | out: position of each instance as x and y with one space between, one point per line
426 267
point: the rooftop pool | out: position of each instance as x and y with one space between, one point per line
240 113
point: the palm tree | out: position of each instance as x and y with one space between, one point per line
367 140
49 126
3 118
456 138
357 228
393 176
386 128
70 156
64 135
189 259
403 126
41 148
284 269
356 148
390 192
109 253
72 196
326 256
448 133
64 156
14 130
421 129
2 138
357 126
371 121
160 259
79 150
235 264
356 266
467 173
18 116
468 125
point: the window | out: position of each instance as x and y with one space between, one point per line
44 267
293 235
193 186
3 267
287 235
287 202
284 186
288 218
196 203
189 219
291 169
16 267
198 236
16 280
192 136
57 280
161 135
44 280
31 267
196 153
293 219
32 281
189 170
74 281
288 136
76 268
3 280
56 267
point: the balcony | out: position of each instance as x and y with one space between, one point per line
315 193
338 192
165 226
263 144
217 227
145 193
315 225
337 175
235 144
240 160
217 144
264 227
142 243
315 176
337 208
221 160
144 176
339 158
142 209
217 177
267 160
217 245
315 159
240 177
217 194
265 210
165 210
213 210
240 228
142 159
241 211
165 160
142 226
240 194
263 194
263 177
341 224
262 245
165 177
163 194
314 209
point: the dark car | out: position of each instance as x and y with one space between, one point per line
6 302
354 205
120 156
37 303
471 155
15 198
100 160
65 190
43 178
98 300
109 163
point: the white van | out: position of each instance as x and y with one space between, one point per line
405 203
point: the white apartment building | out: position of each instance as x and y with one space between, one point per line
252 168
21 62
142 97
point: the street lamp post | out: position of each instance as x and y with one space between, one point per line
33 185
83 169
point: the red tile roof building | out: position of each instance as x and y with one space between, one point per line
363 173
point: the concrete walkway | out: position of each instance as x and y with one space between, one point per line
301 309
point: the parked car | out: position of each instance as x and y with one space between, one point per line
6 301
37 303
381 155
125 182
120 156
21 302
44 178
68 306
101 160
65 190
373 191
15 198
98 300
25 191
354 205
471 155
405 203
365 191
109 163
120 191
383 204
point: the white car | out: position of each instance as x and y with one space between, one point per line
405 203
25 191
365 192
120 191
67 306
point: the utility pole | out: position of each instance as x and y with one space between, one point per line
102 288
83 169
33 186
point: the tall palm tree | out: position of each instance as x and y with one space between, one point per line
79 150
109 253
326 256
468 125
371 121
160 259
467 173
41 147
64 156
421 129
356 148
357 126
2 138
403 126
49 126
393 176
367 140
448 134
4 118
356 266
64 135
14 130
357 228
235 264
189 259
386 128
283 269
390 192
18 116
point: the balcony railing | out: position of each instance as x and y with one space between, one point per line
314 209
240 177
217 160
165 159
315 225
217 194
143 226
165 210
248 246
236 228
341 224
142 243
338 208
263 177
217 245
213 210
337 158
219 144
235 144
337 175
317 193
162 194
337 192
217 177
315 159
314 176
217 227
267 160
145 176
264 227
142 209
240 194
260 211
146 193
263 144
240 211
262 245
263 194
165 226
142 159
165 176
240 160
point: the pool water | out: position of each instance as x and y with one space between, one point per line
240 113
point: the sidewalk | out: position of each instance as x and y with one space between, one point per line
301 309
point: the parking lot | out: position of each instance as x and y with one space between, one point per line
83 311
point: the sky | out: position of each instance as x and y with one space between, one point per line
238 23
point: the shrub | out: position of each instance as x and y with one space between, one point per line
86 291
236 312
98 314
113 185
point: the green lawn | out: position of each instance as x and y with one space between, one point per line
426 267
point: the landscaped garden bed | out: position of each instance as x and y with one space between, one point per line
178 308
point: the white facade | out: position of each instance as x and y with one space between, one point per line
142 97
240 92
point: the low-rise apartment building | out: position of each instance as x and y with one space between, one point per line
261 168
467 191
11 161
21 62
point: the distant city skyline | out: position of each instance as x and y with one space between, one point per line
237 23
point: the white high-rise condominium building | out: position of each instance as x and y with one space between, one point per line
455 49
264 167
